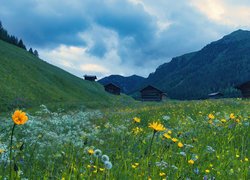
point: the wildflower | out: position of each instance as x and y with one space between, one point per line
180 145
156 126
183 153
196 171
136 120
237 120
162 174
91 151
223 120
134 166
166 136
1 151
169 132
19 117
108 165
174 139
207 171
211 116
191 161
105 158
137 130
101 169
246 159
232 116
97 153
237 155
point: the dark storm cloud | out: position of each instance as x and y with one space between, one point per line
136 33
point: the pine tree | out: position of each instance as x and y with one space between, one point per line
21 45
36 53
31 51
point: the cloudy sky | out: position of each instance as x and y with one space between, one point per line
126 37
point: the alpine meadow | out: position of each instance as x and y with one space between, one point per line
124 90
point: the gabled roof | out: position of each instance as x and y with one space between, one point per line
150 86
243 85
111 84
89 76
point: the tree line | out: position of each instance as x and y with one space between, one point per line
4 35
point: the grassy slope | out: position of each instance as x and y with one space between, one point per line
27 81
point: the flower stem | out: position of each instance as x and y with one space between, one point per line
151 142
11 139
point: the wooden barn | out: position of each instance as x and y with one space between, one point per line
215 95
150 93
245 89
90 78
112 88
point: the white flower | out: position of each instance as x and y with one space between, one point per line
105 158
108 165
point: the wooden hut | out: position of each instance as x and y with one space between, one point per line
90 78
245 89
112 88
150 93
215 95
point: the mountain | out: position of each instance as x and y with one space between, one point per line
127 84
26 81
219 66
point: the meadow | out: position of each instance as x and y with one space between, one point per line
170 140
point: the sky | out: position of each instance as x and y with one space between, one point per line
126 37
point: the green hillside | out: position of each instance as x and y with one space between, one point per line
26 81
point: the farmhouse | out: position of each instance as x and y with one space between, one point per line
215 95
245 89
112 88
150 93
90 78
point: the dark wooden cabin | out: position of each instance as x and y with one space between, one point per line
215 95
113 89
150 93
245 89
90 78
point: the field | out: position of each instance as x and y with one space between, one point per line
191 140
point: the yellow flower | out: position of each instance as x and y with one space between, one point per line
136 119
237 120
211 116
174 139
169 132
180 145
1 151
223 120
166 136
207 171
135 165
191 161
137 130
19 117
101 169
246 159
237 155
210 121
156 126
91 151
162 174
232 116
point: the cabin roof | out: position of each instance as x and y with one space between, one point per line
152 87
90 76
111 84
243 85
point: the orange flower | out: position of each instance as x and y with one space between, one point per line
19 117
